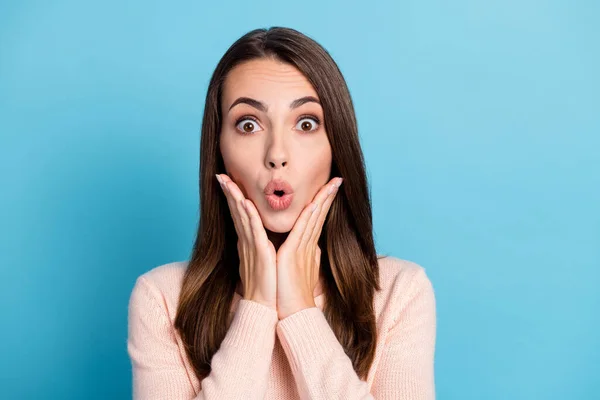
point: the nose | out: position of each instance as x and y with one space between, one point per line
277 155
277 164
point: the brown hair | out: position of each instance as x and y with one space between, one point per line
349 263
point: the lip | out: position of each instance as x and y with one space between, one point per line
279 203
278 184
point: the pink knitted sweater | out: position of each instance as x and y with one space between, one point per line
298 357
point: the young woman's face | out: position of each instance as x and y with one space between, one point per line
278 139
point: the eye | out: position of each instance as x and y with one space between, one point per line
308 123
246 124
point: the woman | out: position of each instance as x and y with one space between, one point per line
284 296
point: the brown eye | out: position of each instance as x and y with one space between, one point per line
308 124
247 125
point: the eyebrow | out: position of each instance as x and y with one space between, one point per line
262 107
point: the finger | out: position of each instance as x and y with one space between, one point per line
230 204
297 233
235 199
299 227
229 200
322 213
322 198
239 199
256 225
318 256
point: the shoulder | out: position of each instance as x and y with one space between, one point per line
160 287
401 281
399 274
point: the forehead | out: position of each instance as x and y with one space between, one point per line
267 80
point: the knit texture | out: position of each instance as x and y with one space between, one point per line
298 357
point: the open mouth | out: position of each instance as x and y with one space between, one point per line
279 194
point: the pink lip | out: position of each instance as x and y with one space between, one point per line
278 203
278 184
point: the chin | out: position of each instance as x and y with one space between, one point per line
279 222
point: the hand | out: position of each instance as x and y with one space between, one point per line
258 270
299 257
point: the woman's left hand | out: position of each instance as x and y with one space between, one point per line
299 257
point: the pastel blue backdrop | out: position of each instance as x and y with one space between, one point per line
481 131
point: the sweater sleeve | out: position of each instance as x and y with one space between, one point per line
322 370
406 368
239 369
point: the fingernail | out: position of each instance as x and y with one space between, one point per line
314 207
339 182
219 178
331 189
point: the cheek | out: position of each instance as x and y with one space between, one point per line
318 167
315 172
228 151
234 157
240 164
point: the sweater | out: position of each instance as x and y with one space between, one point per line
298 357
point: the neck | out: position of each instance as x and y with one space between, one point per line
277 238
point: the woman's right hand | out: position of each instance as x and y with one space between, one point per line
257 254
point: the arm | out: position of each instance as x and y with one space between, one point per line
322 369
240 367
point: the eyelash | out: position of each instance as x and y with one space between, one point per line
253 118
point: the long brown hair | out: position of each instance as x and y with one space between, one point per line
349 263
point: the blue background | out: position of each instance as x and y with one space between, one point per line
481 130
